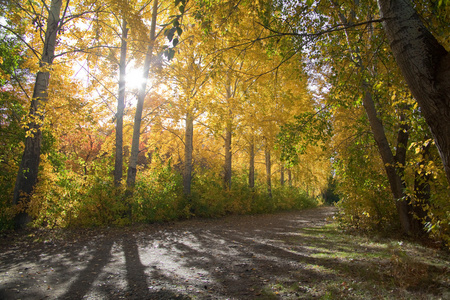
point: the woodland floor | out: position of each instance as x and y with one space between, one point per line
295 255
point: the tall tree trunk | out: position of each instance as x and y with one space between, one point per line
228 156
290 177
389 161
251 171
425 65
282 174
390 164
132 164
188 148
29 165
118 165
268 171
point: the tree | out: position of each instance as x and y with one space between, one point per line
132 164
118 166
425 65
224 105
189 72
393 162
251 163
268 168
29 166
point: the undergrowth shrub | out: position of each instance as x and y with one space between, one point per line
54 197
11 146
65 198
366 201
209 198
291 198
158 195
7 212
100 204
368 206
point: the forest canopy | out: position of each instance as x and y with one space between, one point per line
115 112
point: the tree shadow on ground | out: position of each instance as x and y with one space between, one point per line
283 256
86 278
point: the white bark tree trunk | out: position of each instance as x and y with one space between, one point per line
188 149
268 171
118 165
251 171
228 156
132 164
227 167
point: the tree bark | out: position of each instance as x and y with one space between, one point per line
29 165
425 65
132 164
282 174
268 171
251 171
118 165
390 164
188 149
228 156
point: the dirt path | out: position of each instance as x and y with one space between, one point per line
238 257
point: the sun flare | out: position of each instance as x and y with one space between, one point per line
134 78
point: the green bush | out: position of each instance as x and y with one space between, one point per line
211 200
158 196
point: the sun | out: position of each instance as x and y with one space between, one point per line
134 78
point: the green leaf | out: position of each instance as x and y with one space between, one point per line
169 53
170 33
